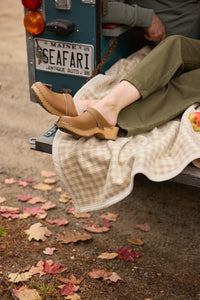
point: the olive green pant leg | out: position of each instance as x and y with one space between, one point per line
168 83
162 105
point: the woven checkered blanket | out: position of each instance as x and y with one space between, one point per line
98 173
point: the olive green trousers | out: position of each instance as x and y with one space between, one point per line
168 79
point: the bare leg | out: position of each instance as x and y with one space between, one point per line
121 96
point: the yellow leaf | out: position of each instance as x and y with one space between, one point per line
42 187
37 232
81 215
107 255
135 241
17 277
50 181
47 173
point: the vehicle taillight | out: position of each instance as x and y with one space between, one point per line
34 22
31 4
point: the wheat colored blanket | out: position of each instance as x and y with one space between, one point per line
98 173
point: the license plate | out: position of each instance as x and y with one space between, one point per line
64 57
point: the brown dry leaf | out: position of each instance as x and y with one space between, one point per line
65 197
59 189
35 200
95 227
48 205
9 208
74 297
42 187
41 216
18 277
72 279
135 241
37 232
25 293
47 173
109 217
2 199
24 216
69 237
38 269
50 181
114 278
107 255
99 273
81 215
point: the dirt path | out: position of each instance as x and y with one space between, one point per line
168 266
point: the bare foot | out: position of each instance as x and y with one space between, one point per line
82 105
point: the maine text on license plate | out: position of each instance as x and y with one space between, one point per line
63 57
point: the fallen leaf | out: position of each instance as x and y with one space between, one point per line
22 183
70 210
143 227
135 241
42 187
9 209
10 181
37 269
72 279
68 289
126 254
109 217
41 216
114 278
107 223
2 199
98 273
95 227
74 297
24 216
50 181
48 205
35 200
47 174
51 268
49 251
18 277
69 237
59 189
10 215
59 222
24 197
34 211
81 215
25 293
37 232
107 255
65 197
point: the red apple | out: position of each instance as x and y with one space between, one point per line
195 121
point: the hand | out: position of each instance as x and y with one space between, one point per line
156 32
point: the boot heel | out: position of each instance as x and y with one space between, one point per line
108 133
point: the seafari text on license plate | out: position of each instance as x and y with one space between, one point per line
63 57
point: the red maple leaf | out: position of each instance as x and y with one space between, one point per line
69 289
24 197
51 268
33 211
126 254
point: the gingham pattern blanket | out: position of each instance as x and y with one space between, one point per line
98 173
